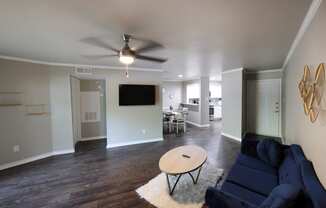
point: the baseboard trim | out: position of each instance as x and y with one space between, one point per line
62 152
91 138
231 137
198 125
35 158
109 146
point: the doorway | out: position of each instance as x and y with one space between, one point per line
264 107
88 109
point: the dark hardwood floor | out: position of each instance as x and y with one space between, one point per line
97 177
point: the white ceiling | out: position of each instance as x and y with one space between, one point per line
200 37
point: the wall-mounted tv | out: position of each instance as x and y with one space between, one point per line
131 94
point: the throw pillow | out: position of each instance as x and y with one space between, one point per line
270 152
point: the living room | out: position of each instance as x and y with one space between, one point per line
136 104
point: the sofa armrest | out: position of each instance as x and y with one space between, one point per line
215 198
249 147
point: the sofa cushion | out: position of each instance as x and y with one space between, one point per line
243 194
282 196
220 199
312 186
256 164
251 179
289 171
270 152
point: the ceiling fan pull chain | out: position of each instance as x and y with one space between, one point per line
127 71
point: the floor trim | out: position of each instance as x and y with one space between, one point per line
109 146
34 158
198 125
91 138
62 152
231 137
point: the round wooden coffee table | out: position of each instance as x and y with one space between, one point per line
182 160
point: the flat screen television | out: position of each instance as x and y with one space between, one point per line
130 94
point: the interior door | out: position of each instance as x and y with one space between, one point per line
264 107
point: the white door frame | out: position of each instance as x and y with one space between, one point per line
105 79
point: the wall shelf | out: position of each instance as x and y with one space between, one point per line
10 105
37 114
37 109
10 99
11 93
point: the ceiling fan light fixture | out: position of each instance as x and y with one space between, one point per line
126 59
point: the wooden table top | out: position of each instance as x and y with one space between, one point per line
182 159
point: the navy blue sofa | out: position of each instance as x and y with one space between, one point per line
251 181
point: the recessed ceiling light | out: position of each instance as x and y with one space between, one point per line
180 75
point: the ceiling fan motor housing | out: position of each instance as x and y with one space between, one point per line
126 51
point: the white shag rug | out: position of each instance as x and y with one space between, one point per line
185 195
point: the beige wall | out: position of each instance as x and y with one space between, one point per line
34 134
50 85
298 129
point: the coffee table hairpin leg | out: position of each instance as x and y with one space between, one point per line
219 179
179 176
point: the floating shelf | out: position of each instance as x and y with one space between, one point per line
37 109
10 105
10 99
11 93
37 114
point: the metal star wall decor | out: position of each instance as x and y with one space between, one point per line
311 91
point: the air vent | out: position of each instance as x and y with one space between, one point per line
85 71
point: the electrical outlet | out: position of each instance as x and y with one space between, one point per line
16 148
143 131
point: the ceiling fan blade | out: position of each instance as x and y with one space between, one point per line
95 57
149 47
99 43
149 58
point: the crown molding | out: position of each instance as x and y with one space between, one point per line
315 4
232 70
12 58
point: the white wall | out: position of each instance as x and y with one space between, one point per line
232 110
215 89
298 129
61 114
204 101
75 104
193 116
172 94
132 124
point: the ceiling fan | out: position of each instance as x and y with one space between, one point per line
126 54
